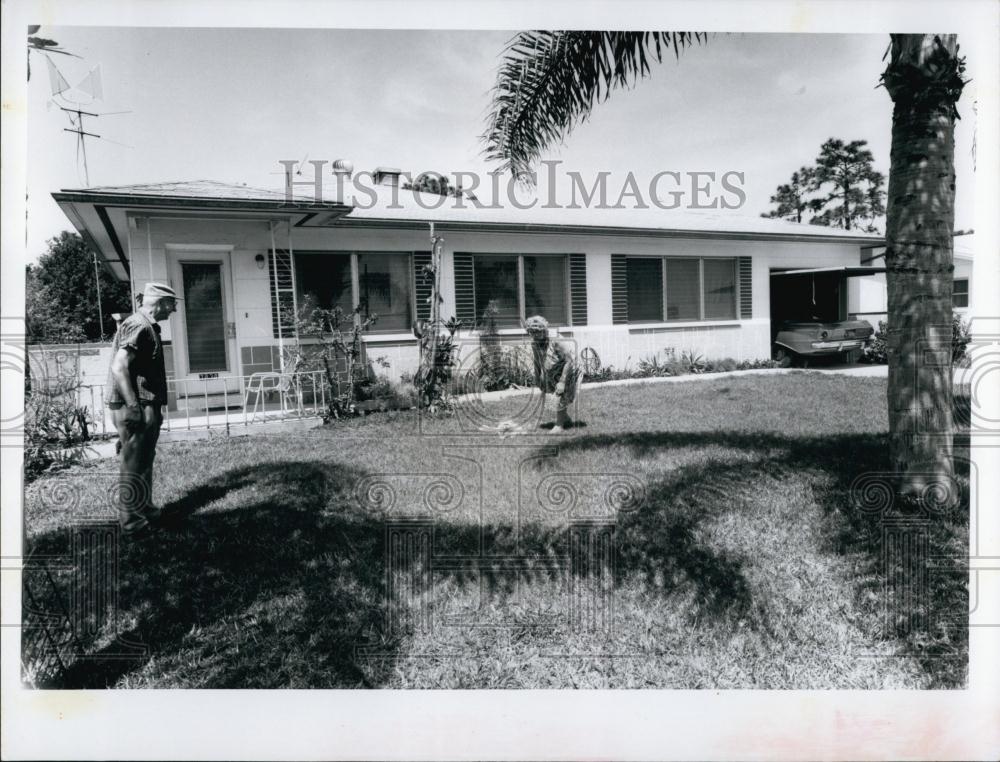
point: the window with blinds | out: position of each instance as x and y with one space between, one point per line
380 283
496 282
519 286
645 289
383 290
662 289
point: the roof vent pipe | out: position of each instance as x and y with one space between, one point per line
343 167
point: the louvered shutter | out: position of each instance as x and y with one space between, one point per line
578 288
619 289
465 290
746 287
423 284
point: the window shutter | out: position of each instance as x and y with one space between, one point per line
282 299
465 290
619 289
423 285
578 289
746 287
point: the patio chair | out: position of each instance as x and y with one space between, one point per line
284 385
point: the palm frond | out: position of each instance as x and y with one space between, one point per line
548 82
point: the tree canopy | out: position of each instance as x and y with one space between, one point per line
61 294
842 189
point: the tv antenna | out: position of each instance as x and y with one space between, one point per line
91 88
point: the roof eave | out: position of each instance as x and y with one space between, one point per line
155 200
529 227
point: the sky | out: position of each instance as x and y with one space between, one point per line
228 104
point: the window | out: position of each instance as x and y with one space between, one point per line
384 289
644 276
680 288
720 289
521 285
496 281
683 289
325 279
545 288
960 293
379 282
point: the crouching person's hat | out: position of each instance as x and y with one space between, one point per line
158 291
536 323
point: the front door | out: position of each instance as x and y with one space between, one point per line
204 317
205 349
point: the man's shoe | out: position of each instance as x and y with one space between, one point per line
140 533
153 514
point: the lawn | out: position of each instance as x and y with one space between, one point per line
686 535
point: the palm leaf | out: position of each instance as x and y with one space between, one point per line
548 82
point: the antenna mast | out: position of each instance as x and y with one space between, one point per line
82 135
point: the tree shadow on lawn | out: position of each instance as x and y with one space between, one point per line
299 567
280 589
293 566
939 645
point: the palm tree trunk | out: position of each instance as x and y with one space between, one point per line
924 81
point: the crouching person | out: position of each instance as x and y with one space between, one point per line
136 393
555 369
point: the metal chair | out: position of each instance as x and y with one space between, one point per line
271 382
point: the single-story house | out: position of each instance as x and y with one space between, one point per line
625 282
868 297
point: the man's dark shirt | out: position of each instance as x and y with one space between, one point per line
147 373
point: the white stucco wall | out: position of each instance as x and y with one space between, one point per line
868 296
616 345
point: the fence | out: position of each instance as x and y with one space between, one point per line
218 403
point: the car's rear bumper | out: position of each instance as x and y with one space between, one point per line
821 348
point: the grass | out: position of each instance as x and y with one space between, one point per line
744 564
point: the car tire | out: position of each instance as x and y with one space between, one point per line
783 357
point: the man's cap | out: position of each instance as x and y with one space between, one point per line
158 291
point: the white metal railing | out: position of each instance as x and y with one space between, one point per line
220 403
245 400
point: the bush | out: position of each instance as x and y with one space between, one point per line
387 395
876 349
56 432
960 337
671 365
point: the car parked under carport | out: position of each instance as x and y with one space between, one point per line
809 315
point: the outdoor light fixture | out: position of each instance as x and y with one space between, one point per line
259 259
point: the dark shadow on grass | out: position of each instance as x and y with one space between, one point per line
939 645
281 561
295 566
273 575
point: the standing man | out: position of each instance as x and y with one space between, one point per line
136 392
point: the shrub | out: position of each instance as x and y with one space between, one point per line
960 337
388 395
724 365
757 364
56 431
876 349
438 360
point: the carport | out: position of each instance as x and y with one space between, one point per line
817 294
812 296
